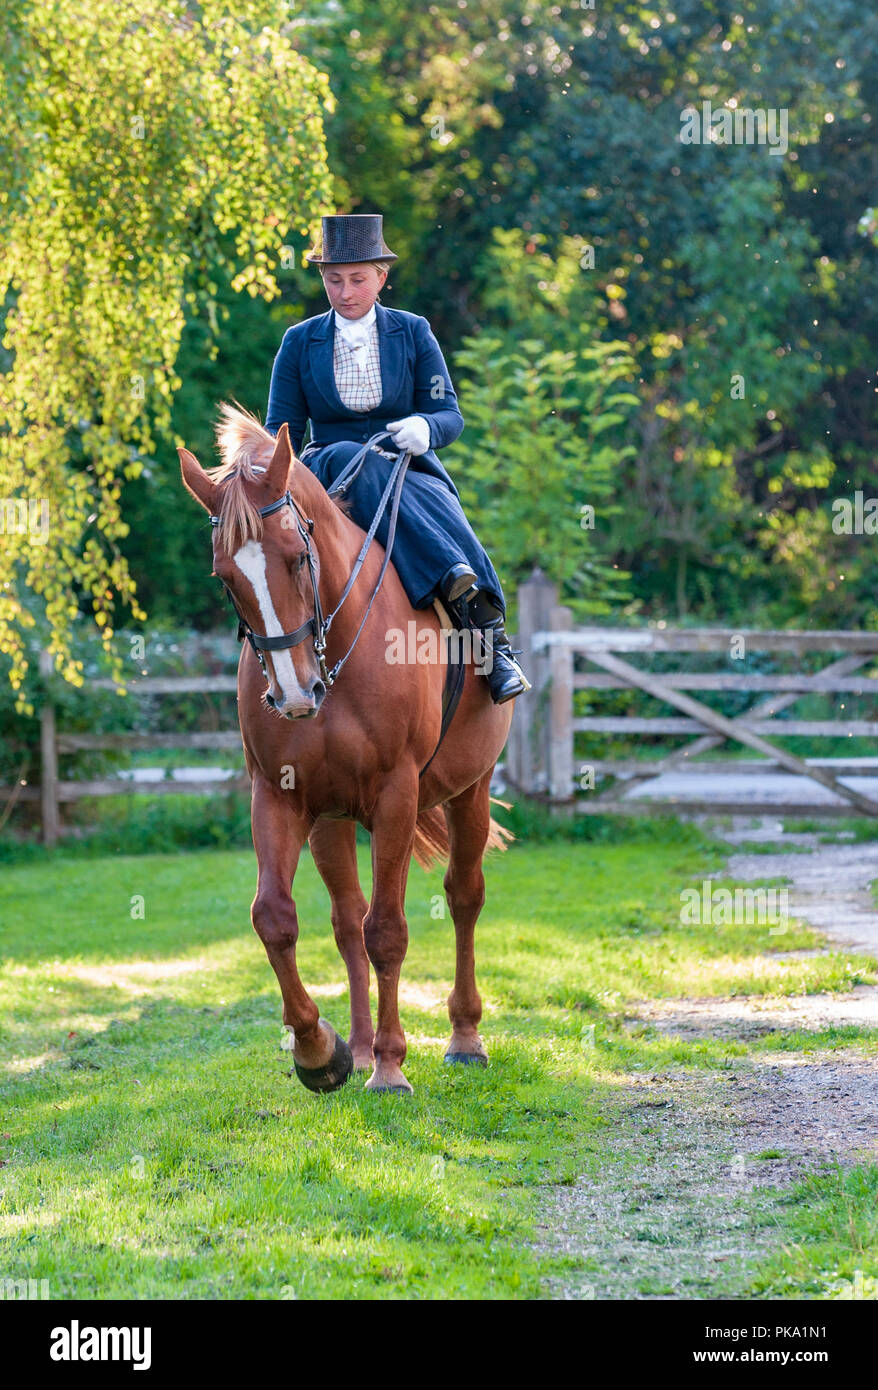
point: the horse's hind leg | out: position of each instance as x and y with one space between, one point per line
334 847
468 817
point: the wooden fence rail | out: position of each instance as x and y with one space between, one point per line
561 660
540 754
52 791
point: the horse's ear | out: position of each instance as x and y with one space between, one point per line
281 462
196 481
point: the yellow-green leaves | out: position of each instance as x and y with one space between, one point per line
137 143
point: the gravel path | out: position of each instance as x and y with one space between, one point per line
829 888
780 787
686 1211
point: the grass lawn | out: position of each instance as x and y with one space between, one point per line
154 1144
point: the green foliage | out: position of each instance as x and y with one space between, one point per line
132 147
159 173
534 823
541 450
174 581
712 260
868 225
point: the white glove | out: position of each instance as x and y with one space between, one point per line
412 433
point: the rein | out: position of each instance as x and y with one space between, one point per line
319 625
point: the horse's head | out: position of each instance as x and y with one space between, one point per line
262 560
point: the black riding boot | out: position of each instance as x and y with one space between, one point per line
475 611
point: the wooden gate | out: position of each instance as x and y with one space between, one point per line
541 758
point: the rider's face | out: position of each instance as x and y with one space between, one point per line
353 289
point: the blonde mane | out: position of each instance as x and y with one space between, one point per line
245 446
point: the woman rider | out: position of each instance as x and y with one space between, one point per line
362 368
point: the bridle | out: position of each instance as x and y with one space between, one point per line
319 625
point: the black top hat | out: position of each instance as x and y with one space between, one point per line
354 237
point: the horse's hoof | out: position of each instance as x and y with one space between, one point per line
467 1059
333 1075
388 1080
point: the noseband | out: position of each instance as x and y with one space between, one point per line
318 625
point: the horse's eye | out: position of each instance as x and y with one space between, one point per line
302 558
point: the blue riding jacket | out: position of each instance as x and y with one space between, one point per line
414 376
432 533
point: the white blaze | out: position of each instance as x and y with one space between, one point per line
250 560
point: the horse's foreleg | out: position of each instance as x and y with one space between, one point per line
385 929
334 847
323 1061
468 818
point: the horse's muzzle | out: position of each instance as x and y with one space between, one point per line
302 708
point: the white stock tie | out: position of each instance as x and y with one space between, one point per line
356 333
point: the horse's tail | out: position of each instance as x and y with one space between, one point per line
431 837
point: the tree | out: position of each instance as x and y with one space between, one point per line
544 402
149 153
563 120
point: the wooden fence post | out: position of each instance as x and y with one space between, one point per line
561 709
527 756
49 760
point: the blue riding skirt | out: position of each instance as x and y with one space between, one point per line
432 532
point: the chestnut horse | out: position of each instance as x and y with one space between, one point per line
321 759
